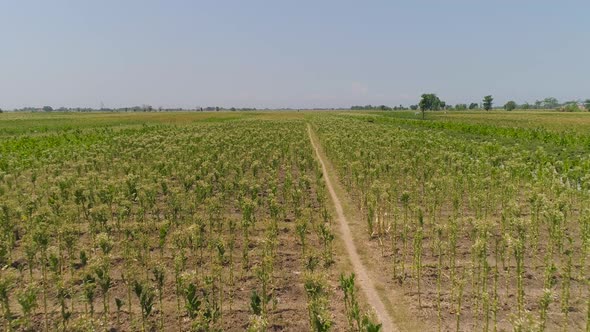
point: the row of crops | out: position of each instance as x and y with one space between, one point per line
203 227
478 233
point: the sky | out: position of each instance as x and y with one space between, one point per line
298 53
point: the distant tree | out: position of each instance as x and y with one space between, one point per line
473 106
461 107
1 111
429 102
587 104
413 107
488 102
371 107
525 106
571 107
47 109
550 102
538 104
510 106
443 104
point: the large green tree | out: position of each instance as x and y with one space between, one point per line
488 102
429 102
509 106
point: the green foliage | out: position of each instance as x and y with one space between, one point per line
6 285
487 102
255 303
571 107
370 326
193 303
550 103
103 278
27 298
146 299
429 102
510 106
319 316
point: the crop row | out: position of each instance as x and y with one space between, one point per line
479 233
200 227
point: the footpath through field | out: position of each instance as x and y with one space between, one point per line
365 283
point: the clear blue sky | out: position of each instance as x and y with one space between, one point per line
295 53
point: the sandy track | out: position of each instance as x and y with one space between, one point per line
365 283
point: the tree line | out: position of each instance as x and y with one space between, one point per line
143 108
428 102
431 102
377 108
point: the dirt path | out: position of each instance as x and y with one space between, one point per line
362 276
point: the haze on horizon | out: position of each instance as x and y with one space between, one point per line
273 54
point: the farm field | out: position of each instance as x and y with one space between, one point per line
210 225
223 221
547 120
480 226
